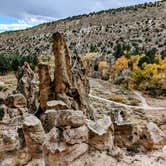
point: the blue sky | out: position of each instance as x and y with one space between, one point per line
21 14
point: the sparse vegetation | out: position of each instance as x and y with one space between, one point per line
12 62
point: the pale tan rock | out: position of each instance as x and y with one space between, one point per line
44 85
75 135
70 82
72 118
8 139
56 105
16 101
163 128
58 153
34 135
101 135
49 119
68 157
152 137
100 126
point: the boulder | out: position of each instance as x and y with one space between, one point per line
57 152
48 119
101 134
15 112
72 118
75 135
34 135
56 105
152 137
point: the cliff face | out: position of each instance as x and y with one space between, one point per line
142 26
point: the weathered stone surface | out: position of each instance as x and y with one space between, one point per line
49 119
15 112
8 139
16 105
101 135
163 128
16 101
70 82
34 135
62 118
152 137
72 118
101 126
75 135
56 105
58 153
27 85
44 85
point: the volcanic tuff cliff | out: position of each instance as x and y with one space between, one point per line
142 26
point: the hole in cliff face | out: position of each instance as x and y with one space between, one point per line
72 92
2 113
130 138
2 101
143 137
96 67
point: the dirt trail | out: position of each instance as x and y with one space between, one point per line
145 104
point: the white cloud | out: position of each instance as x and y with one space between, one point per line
37 19
33 12
16 26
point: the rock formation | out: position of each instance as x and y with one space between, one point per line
65 104
44 85
62 135
34 135
27 85
66 144
70 83
101 133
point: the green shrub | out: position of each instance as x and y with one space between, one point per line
12 62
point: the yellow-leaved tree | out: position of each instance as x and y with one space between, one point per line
103 67
121 64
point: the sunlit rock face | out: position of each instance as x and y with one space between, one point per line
70 83
44 84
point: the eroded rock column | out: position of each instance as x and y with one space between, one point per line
70 82
44 85
27 85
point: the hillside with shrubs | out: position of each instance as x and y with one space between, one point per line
126 46
142 27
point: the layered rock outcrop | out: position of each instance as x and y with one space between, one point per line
34 135
66 144
65 104
70 83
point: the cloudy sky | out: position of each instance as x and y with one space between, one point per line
20 14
